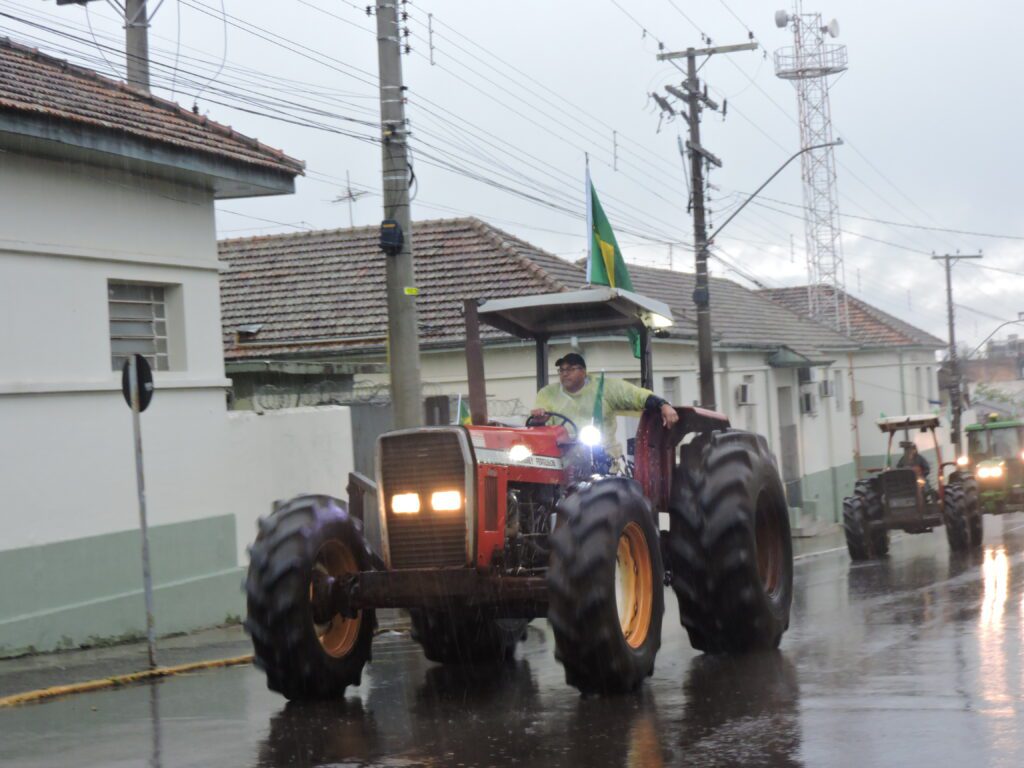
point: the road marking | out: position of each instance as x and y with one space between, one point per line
31 697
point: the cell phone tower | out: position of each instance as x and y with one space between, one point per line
808 63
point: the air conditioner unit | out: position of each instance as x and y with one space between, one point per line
805 375
827 388
808 405
743 394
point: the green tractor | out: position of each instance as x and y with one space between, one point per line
995 456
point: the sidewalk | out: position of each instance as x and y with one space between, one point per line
30 673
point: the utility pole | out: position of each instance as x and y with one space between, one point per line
136 39
696 100
396 229
954 366
136 32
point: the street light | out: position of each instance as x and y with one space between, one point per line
1019 320
757 191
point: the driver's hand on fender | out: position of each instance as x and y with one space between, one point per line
669 417
537 413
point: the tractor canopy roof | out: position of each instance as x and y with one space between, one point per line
896 423
1004 424
588 311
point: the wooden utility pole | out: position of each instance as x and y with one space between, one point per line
956 399
403 341
696 101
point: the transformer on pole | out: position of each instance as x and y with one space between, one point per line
809 63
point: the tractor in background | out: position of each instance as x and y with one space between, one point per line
995 458
901 498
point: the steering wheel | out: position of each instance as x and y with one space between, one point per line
540 421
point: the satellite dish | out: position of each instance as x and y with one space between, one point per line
781 18
833 28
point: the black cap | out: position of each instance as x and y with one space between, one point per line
571 359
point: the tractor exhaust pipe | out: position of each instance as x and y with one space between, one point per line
475 364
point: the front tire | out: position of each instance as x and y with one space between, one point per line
303 656
605 585
954 517
735 502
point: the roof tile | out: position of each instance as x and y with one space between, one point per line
36 84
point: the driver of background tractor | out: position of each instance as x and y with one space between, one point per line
911 458
574 396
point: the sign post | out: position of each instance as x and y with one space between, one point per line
137 387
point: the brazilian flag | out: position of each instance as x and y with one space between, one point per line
605 265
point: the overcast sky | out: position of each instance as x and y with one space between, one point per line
519 92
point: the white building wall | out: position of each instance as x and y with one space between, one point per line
66 454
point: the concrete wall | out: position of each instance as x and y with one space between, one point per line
70 550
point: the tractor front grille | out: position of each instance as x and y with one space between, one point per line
422 462
900 488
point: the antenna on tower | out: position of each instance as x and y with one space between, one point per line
808 63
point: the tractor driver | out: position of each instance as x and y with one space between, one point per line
911 458
574 396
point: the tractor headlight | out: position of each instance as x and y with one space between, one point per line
590 435
445 501
519 452
920 481
405 503
963 461
990 472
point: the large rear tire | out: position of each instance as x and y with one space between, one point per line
306 657
972 501
855 528
954 517
605 581
449 637
874 516
732 555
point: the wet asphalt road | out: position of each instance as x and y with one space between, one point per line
914 661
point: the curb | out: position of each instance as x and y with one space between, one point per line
32 697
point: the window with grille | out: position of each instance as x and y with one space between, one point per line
138 324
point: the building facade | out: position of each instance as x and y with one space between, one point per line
108 248
813 392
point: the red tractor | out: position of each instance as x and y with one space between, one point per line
488 526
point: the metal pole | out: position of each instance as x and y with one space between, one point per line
147 579
136 26
701 293
404 353
954 363
475 364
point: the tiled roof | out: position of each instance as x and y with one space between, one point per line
323 292
35 84
869 326
739 317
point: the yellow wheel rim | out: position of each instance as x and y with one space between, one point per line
338 636
634 585
769 541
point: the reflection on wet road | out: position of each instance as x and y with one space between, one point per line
916 660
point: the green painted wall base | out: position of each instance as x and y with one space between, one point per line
89 591
823 492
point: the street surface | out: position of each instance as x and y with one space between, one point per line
913 661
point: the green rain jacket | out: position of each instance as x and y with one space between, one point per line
619 397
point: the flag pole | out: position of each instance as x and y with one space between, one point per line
590 217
